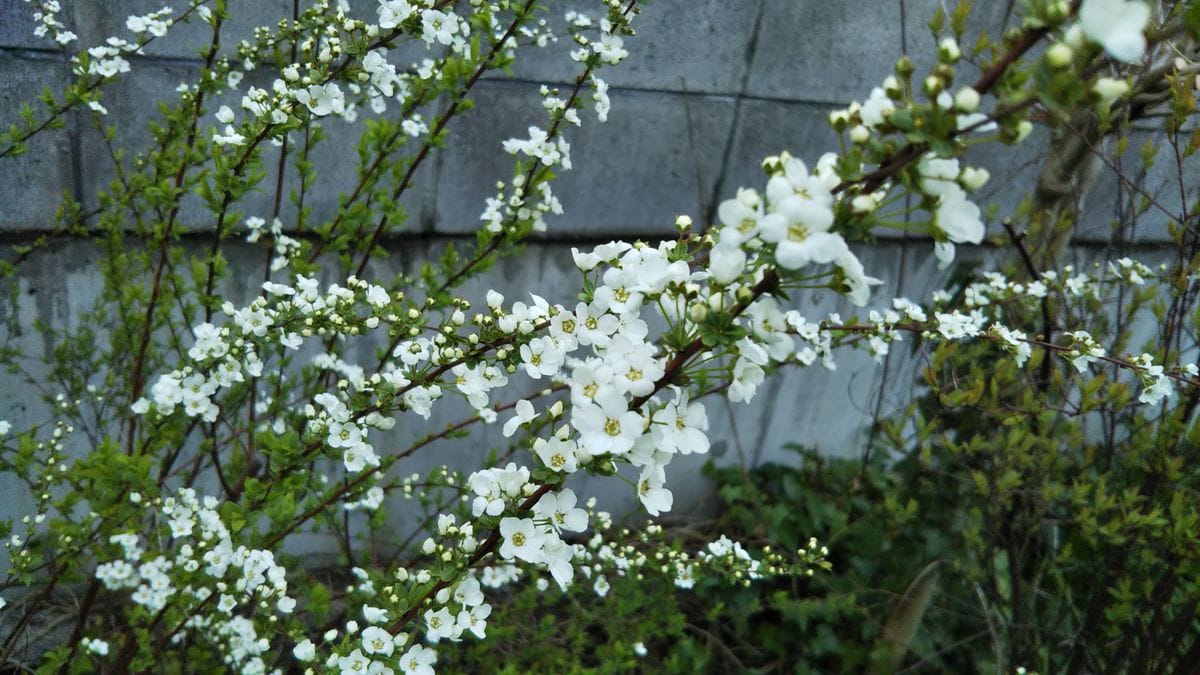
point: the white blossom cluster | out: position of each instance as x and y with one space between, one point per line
45 14
646 551
982 317
203 567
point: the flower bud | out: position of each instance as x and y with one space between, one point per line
1056 12
698 312
948 51
839 120
859 134
891 87
932 86
863 204
1110 89
1059 55
1024 127
904 66
973 178
966 100
682 223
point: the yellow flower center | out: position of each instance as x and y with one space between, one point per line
797 233
612 427
518 539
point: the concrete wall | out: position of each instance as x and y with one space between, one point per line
711 88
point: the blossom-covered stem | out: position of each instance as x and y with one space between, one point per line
425 148
1048 346
497 240
440 126
1031 37
484 549
56 112
914 151
346 488
767 284
139 361
277 204
226 201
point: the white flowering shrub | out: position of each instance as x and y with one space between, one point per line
199 442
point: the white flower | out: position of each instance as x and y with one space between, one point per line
392 13
944 252
522 539
610 49
740 216
418 660
97 647
938 176
876 108
438 26
305 651
557 454
601 587
541 357
606 425
856 284
525 413
680 426
559 509
959 217
468 593
802 237
376 640
1117 25
726 263
475 620
322 99
654 497
441 625
1157 384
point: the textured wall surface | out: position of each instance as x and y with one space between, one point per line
712 86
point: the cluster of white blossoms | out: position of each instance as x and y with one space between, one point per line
646 551
45 13
981 316
545 149
202 568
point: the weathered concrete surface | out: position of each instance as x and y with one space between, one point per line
34 182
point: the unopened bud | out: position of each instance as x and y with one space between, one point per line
948 51
863 204
1059 55
966 100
